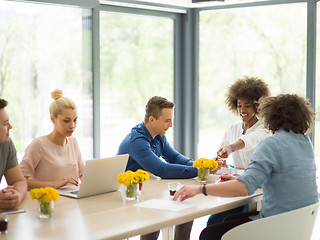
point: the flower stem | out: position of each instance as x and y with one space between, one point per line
46 208
203 174
131 190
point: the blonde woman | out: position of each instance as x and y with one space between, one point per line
54 160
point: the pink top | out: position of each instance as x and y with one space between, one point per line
46 161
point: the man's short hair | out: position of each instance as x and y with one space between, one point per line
3 103
154 107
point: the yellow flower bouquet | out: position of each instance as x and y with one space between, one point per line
131 180
204 166
143 177
46 197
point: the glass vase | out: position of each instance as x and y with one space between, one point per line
46 209
203 175
132 191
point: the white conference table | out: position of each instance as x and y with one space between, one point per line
108 216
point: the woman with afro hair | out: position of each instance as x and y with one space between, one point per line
241 139
282 164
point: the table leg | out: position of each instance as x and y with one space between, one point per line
256 206
167 233
253 207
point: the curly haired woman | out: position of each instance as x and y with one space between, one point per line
276 165
241 139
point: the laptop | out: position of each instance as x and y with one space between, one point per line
99 176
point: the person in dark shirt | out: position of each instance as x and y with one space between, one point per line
11 196
149 150
147 145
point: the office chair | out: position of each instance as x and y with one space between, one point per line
294 225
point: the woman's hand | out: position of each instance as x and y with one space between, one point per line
225 151
220 162
226 177
186 192
64 181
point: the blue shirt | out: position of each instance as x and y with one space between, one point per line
145 152
283 164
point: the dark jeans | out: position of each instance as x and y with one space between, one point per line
218 218
216 231
181 232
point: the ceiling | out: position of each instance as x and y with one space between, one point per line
194 3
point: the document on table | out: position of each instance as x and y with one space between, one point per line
233 171
20 210
166 205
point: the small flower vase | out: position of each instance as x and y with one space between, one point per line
203 175
46 209
132 191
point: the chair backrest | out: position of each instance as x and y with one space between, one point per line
293 225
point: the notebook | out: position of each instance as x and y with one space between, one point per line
99 176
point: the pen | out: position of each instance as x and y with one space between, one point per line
219 180
224 162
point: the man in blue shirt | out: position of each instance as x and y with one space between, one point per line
147 142
149 150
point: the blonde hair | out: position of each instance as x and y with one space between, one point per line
60 102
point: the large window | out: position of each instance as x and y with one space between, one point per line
267 41
44 47
317 107
136 63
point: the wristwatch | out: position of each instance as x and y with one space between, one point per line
204 191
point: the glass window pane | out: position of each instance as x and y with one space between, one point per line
317 108
136 54
268 42
44 47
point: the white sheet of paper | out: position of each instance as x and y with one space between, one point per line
166 205
239 171
20 210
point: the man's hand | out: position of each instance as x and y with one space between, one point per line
9 198
13 195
